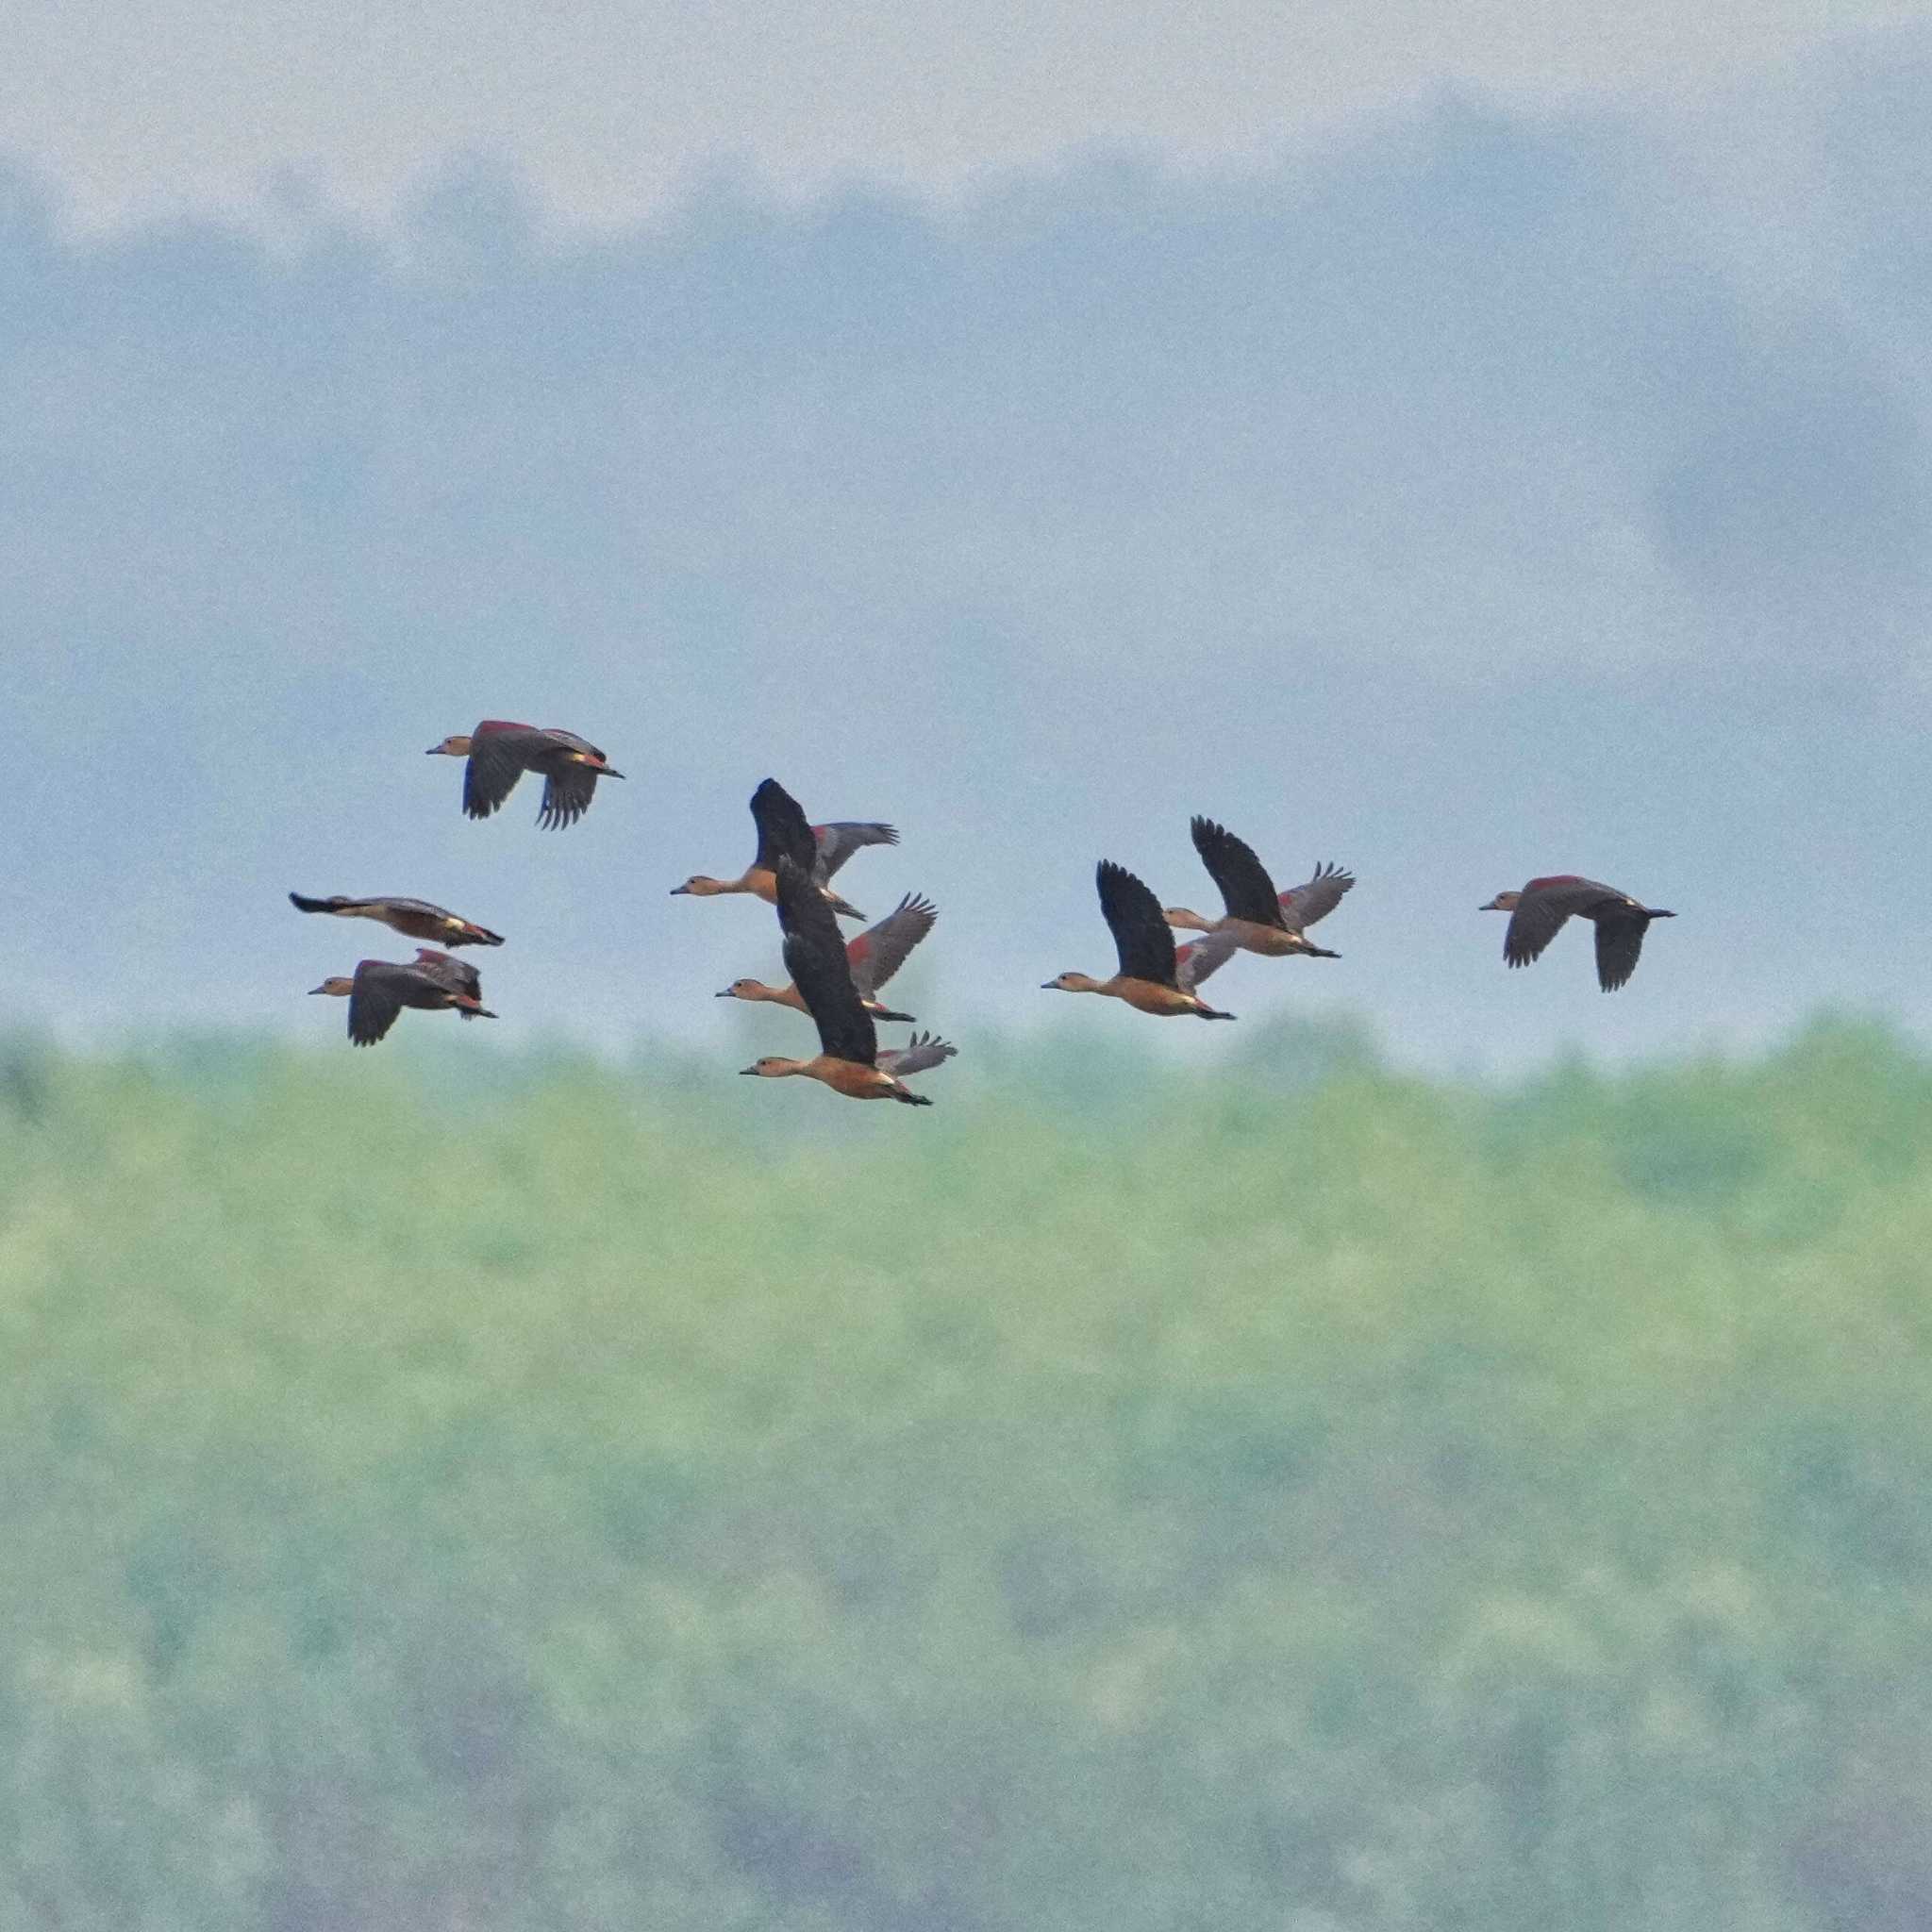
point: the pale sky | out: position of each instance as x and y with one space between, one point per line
138 107
1517 481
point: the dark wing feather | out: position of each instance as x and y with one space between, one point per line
1246 891
815 957
879 951
1618 943
497 760
838 842
458 975
375 1001
1141 934
567 795
783 829
1542 911
1315 899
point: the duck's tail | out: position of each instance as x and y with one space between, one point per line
1211 1013
886 1013
911 1098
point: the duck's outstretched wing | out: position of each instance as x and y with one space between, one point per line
1246 891
1201 958
1618 943
837 843
567 795
880 950
500 753
375 1000
1141 934
1315 899
923 1050
782 828
815 957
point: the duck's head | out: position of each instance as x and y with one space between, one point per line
743 989
773 1067
1187 922
338 986
700 885
455 746
1070 982
1503 902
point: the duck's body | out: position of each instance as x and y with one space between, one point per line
458 975
1538 911
380 988
498 753
1260 919
415 918
785 832
848 1060
1149 977
873 956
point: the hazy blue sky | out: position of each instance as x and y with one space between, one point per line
1529 474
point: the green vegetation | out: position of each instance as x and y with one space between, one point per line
1316 1499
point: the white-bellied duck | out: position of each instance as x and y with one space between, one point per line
1148 979
873 955
380 988
848 1059
415 918
783 831
499 753
1538 911
1262 920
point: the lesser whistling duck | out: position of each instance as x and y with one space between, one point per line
848 1059
873 955
783 831
417 918
499 753
380 988
1262 920
1538 911
1148 979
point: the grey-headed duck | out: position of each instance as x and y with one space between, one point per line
1262 920
415 918
1148 979
873 955
499 753
1538 911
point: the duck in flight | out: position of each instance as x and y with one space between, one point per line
783 831
848 1059
380 988
1538 911
499 753
1262 920
873 957
417 918
1149 977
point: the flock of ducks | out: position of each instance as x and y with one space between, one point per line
836 982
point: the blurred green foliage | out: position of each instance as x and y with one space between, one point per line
448 1492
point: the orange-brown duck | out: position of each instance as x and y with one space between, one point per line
499 753
380 988
1262 920
848 1059
873 955
1538 911
1149 978
783 831
416 917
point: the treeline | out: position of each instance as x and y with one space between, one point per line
481 1496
